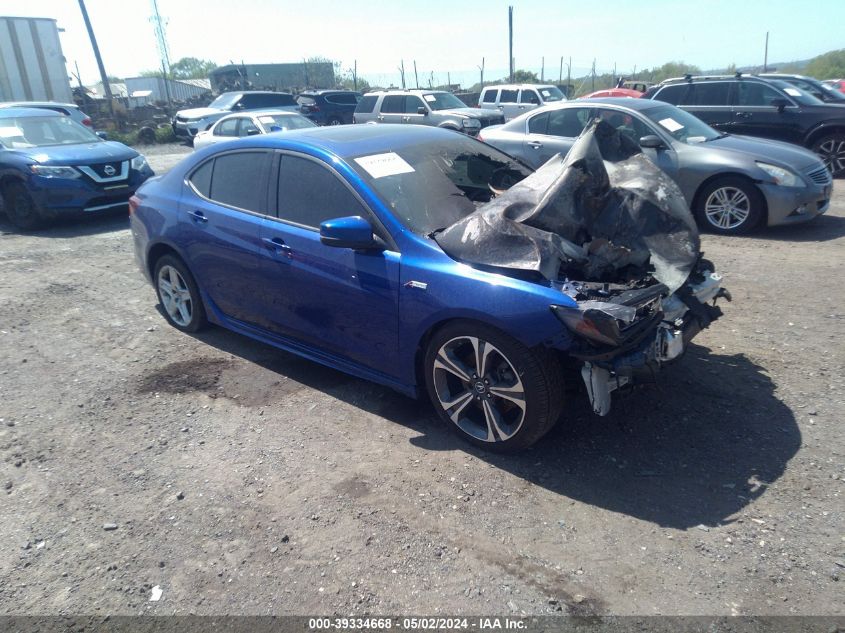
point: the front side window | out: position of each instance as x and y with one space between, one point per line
283 122
238 180
309 193
412 103
248 127
626 124
529 96
754 93
229 127
42 131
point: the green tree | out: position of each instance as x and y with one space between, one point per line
525 77
830 65
191 68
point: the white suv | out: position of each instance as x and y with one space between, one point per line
514 99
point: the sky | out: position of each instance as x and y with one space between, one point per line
445 36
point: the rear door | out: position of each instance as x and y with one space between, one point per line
392 109
710 102
553 132
223 207
341 301
509 103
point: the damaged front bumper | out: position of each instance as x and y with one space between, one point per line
628 338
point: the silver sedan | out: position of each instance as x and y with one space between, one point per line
732 183
251 123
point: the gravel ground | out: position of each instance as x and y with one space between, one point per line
238 479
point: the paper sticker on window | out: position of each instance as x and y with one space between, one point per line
671 124
430 98
792 92
387 164
10 131
267 119
545 93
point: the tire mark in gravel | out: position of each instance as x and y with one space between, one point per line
200 374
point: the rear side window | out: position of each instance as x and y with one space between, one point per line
310 194
238 180
366 104
393 104
489 95
709 94
201 178
568 122
508 96
676 95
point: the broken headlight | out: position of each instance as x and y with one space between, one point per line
597 321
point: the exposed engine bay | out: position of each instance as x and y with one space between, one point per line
613 233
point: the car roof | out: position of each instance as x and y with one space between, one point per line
325 91
16 111
356 140
406 91
622 102
253 92
37 104
522 86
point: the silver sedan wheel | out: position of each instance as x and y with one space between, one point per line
479 389
832 152
727 208
175 295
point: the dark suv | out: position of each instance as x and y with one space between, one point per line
328 107
756 106
819 90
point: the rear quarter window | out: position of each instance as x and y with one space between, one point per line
366 104
201 178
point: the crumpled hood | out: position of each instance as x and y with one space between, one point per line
200 113
767 150
474 113
80 154
603 213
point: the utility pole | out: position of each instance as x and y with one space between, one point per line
614 73
448 81
103 76
481 68
416 78
355 75
402 72
593 77
161 41
766 55
510 41
560 76
568 76
543 69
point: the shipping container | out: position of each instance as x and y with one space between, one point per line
32 66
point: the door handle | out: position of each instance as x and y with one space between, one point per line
535 144
380 118
277 245
522 107
406 118
744 115
197 216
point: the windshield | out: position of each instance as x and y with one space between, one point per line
443 101
225 101
41 131
430 186
551 93
682 126
798 95
282 122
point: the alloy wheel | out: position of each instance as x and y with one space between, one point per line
832 153
479 389
175 295
727 208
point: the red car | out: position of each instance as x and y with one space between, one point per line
614 92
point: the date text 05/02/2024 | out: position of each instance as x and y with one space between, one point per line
417 623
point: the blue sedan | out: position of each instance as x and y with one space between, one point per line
52 166
322 243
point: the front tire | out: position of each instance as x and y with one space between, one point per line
490 389
730 205
831 149
21 208
179 295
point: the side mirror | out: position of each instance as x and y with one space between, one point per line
102 135
780 104
422 110
253 132
651 141
350 232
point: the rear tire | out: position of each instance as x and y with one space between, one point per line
730 205
831 149
490 389
21 208
179 294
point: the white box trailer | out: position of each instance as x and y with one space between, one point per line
32 66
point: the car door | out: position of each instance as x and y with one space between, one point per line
411 115
710 102
509 103
247 126
392 109
754 114
528 100
553 132
488 98
222 209
225 130
341 301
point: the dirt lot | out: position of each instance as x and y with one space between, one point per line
241 480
